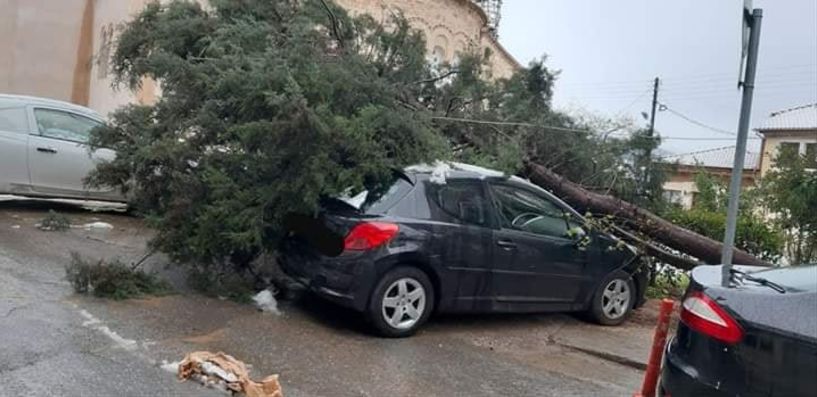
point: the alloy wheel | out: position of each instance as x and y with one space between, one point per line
404 303
615 301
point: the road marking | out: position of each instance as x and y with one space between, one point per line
97 324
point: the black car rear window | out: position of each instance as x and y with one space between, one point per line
377 203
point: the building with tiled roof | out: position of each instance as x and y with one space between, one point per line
793 129
680 186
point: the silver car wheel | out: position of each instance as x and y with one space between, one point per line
615 301
404 303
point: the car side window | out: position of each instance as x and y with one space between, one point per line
13 120
523 210
458 202
65 126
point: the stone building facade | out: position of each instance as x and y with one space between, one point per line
61 49
451 27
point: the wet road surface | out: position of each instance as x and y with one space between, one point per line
49 348
55 343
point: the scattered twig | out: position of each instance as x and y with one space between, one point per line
147 255
438 78
334 20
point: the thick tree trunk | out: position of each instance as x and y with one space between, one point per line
644 221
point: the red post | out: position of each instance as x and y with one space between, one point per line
656 354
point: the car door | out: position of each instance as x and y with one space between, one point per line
535 260
461 241
14 131
58 156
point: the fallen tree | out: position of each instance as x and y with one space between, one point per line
267 106
640 220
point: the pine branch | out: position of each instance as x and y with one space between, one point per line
334 20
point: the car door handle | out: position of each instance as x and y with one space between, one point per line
506 244
46 150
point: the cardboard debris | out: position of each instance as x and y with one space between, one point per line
219 369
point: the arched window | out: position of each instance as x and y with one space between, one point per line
437 56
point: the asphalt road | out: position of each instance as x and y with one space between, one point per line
50 347
57 344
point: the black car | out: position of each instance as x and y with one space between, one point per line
459 238
756 338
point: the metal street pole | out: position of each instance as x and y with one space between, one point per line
740 149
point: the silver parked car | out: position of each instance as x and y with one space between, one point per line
44 151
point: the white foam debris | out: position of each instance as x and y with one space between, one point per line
357 200
97 324
173 367
487 172
420 168
440 169
440 173
265 301
97 226
15 226
214 370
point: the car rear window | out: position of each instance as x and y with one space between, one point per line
378 202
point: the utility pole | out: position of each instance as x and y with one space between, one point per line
753 22
654 106
650 134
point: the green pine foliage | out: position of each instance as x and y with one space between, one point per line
265 107
54 221
754 233
112 279
268 105
789 192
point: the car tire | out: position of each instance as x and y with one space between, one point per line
401 302
613 299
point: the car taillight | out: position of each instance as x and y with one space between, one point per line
704 315
369 235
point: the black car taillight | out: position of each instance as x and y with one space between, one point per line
369 235
701 313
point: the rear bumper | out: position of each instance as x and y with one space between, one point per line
681 379
346 280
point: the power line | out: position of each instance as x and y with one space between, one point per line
690 77
512 124
620 112
680 138
693 121
771 78
764 90
761 93
564 129
776 85
695 152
